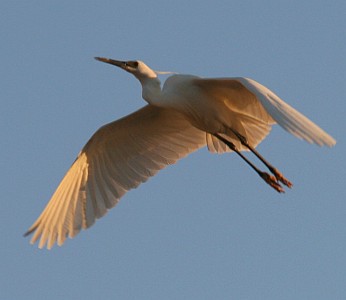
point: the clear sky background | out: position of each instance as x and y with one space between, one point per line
207 227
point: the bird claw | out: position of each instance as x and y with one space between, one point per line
279 177
272 181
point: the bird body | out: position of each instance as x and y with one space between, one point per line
215 106
189 112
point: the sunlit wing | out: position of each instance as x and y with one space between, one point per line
118 157
257 108
287 117
242 112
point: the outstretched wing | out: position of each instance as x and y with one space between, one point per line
118 157
251 109
286 116
237 108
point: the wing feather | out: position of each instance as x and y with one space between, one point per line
238 109
118 157
251 109
287 117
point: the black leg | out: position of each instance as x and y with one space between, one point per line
272 169
271 180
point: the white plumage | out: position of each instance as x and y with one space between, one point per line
187 114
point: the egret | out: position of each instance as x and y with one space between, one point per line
188 113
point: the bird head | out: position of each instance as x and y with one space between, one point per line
136 67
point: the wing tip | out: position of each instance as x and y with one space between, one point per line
331 142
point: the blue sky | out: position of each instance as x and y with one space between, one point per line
207 227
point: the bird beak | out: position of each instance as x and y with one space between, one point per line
118 63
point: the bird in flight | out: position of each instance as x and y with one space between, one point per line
187 113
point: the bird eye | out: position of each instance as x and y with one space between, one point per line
132 64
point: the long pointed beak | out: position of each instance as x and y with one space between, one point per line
118 63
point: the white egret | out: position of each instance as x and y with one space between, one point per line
189 112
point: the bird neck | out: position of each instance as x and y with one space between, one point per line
151 90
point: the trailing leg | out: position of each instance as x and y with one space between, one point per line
279 176
269 179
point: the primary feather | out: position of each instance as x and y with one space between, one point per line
118 157
286 116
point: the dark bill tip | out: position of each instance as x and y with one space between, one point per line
114 62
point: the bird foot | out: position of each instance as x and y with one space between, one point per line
279 177
272 181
